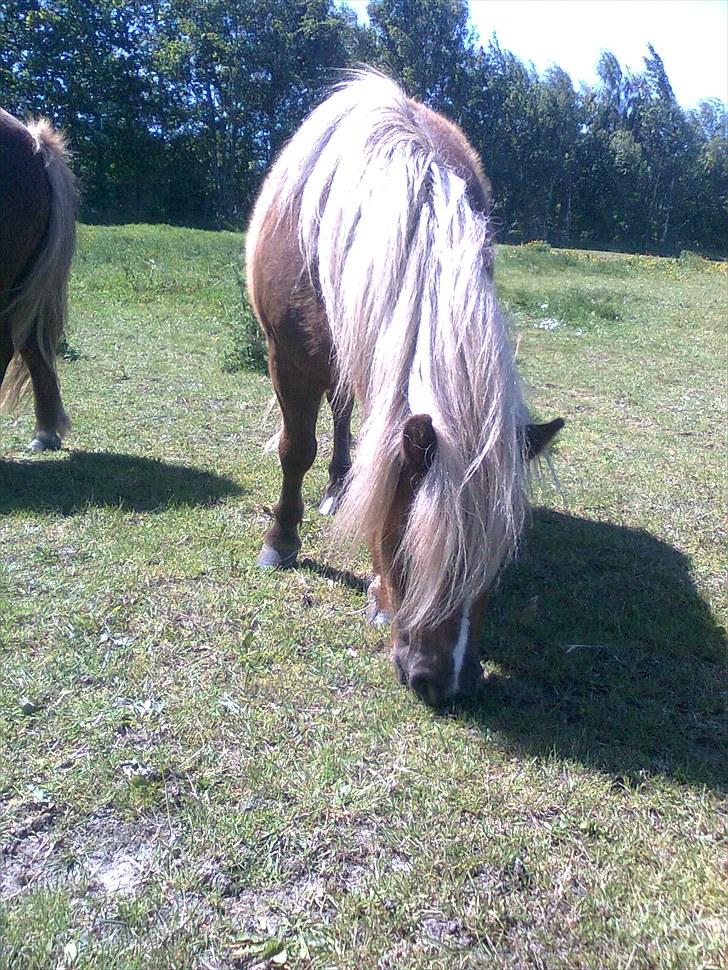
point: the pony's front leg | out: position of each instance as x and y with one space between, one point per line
300 404
379 607
378 611
51 421
341 458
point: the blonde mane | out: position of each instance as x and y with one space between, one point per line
400 257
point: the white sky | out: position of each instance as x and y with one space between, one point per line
691 37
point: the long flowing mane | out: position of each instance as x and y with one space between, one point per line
400 257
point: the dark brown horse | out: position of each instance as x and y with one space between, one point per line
37 232
370 269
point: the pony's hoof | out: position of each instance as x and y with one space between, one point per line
45 441
269 558
329 505
378 618
374 612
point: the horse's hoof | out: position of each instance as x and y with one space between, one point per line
379 618
329 505
45 441
374 612
269 558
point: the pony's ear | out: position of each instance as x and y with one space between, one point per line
535 437
419 443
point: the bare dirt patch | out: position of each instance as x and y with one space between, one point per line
106 854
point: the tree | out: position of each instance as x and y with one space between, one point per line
426 45
175 109
81 64
665 137
244 73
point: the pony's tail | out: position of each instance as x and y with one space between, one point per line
40 306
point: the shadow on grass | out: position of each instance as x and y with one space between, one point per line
80 479
604 652
342 576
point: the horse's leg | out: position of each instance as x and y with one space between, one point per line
341 458
51 421
379 610
6 352
299 399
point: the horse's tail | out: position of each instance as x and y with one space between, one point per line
40 305
401 259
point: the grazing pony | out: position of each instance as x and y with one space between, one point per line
369 266
37 232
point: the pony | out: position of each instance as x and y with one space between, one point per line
370 270
38 202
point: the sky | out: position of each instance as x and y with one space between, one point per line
691 37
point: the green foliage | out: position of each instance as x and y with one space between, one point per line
537 246
425 44
569 305
693 260
175 110
581 300
244 346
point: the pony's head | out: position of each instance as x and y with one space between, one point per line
439 660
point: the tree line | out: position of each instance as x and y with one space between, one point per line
175 108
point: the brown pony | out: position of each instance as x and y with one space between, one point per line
37 233
369 263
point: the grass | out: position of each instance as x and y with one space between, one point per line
205 765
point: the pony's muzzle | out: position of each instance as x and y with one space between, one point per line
428 688
434 683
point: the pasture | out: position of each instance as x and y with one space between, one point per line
207 765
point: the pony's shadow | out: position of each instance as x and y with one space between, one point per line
602 650
342 576
81 479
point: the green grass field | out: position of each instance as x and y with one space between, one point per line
203 765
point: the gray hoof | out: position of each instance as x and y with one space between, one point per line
374 613
269 558
45 441
329 505
379 618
